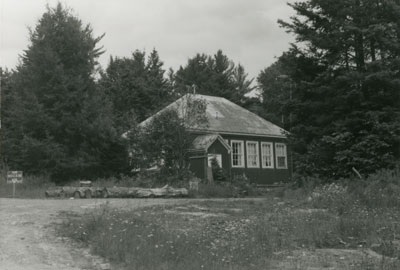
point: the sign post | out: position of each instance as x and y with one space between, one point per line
14 177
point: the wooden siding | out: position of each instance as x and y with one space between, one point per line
218 148
198 165
261 176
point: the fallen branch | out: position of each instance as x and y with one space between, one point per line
358 174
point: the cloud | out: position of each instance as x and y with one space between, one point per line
245 30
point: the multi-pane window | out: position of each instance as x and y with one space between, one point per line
252 154
281 156
267 155
237 153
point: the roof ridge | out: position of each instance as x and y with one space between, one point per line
246 110
249 122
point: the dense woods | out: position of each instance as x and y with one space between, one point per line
342 80
336 90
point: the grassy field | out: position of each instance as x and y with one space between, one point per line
352 224
328 228
33 187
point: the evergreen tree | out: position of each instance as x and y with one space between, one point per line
136 87
197 76
241 83
7 103
59 121
214 75
346 112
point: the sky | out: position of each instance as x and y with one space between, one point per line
246 30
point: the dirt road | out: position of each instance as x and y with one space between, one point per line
28 242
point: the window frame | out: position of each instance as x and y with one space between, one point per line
285 155
271 144
257 155
242 153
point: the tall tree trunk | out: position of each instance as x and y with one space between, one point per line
373 50
359 39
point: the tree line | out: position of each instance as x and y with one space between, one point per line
58 118
338 86
336 90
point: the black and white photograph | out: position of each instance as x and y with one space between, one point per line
200 135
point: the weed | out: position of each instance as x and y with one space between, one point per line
32 187
215 235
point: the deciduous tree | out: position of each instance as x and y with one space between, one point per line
165 140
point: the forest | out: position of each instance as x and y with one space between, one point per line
336 90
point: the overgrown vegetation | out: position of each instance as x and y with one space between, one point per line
164 140
335 225
33 187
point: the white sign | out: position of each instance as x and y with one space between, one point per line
14 177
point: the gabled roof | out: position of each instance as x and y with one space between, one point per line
203 142
226 117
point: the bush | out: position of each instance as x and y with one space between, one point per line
239 186
216 190
218 173
243 186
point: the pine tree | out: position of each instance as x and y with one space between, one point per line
59 123
136 87
214 75
347 112
196 76
242 84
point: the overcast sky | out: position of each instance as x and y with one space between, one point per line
246 30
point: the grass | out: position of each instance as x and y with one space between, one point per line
275 233
351 224
33 187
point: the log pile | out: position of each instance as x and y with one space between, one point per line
115 192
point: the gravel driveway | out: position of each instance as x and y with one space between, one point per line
28 242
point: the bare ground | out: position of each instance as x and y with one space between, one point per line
28 241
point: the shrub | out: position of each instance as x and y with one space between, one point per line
243 186
217 171
216 190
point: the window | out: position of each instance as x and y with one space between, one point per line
281 157
252 154
237 153
267 155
